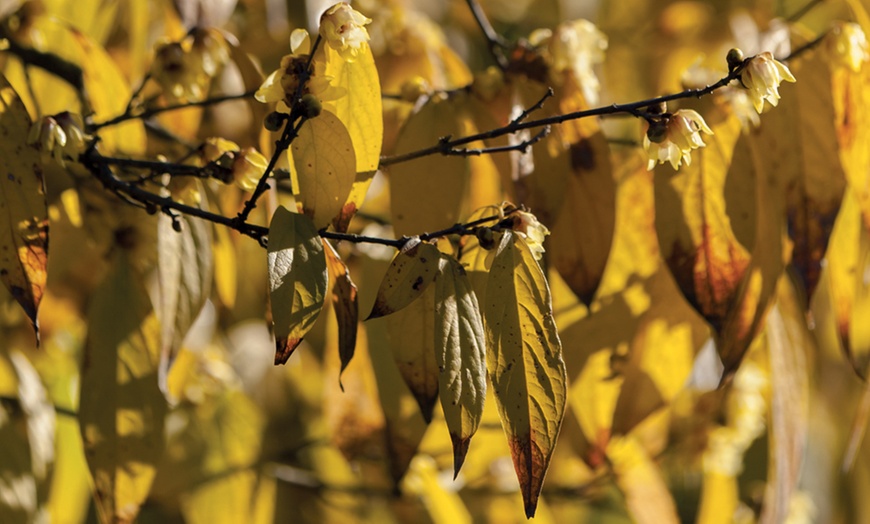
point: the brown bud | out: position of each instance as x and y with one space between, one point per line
485 237
311 106
274 121
734 58
658 131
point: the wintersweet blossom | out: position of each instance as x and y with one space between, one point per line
673 138
847 46
60 136
575 46
247 165
282 85
343 29
533 232
185 69
762 76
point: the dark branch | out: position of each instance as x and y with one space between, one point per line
148 113
495 42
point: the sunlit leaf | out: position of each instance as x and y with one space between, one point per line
122 409
24 235
345 304
646 494
460 354
325 167
524 360
444 506
184 276
297 279
360 111
408 277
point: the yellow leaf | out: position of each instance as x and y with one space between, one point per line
430 193
646 494
325 167
409 275
24 237
719 498
122 409
412 339
444 506
524 359
184 276
345 303
93 17
224 250
460 354
361 112
298 279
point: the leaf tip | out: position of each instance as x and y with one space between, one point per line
284 348
460 449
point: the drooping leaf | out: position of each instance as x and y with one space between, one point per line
524 361
360 110
434 191
639 478
184 276
122 409
412 339
345 303
325 166
460 354
408 277
298 279
23 212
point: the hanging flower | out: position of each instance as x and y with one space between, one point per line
248 166
762 76
673 138
343 29
282 85
60 136
575 46
847 46
533 232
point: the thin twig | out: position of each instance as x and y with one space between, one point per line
522 147
633 108
806 47
800 13
495 42
148 113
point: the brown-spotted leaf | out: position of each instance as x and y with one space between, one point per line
694 229
524 360
325 167
184 276
412 339
409 275
298 279
122 409
23 212
460 354
345 303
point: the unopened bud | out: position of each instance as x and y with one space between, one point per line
734 58
485 238
274 121
176 225
657 109
311 106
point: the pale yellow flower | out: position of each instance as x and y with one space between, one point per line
674 138
847 46
282 85
762 77
734 97
59 136
343 29
533 232
576 46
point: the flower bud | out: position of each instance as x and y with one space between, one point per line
274 121
311 106
734 58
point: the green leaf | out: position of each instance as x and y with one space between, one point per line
325 167
524 359
24 233
184 276
460 354
409 275
122 409
297 279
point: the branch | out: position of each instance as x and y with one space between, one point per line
800 13
495 42
99 166
148 113
633 108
